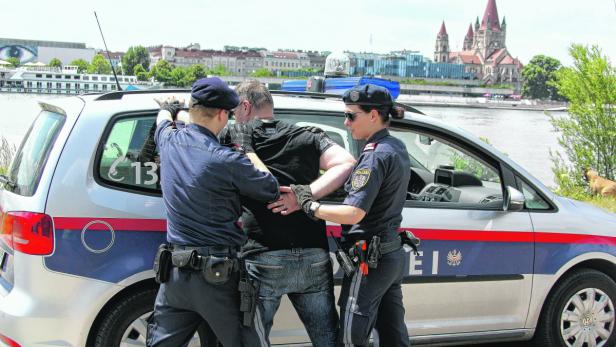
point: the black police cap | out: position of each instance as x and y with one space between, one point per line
215 93
369 95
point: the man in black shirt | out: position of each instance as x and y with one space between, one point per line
297 261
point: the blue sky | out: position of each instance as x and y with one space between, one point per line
533 26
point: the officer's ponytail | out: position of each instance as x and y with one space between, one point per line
396 112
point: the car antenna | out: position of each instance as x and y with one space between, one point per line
107 49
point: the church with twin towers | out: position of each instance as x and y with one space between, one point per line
484 51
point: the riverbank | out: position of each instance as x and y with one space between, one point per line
483 103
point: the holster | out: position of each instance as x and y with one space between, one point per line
162 264
249 290
374 252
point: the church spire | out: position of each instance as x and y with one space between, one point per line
477 23
468 39
443 30
490 17
504 23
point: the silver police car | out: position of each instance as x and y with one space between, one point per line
502 258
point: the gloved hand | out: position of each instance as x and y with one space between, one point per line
303 194
171 105
241 136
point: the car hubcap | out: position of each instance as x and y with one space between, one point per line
136 332
587 319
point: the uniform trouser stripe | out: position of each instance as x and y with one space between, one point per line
258 323
351 301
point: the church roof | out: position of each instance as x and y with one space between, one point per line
443 30
469 33
491 15
466 57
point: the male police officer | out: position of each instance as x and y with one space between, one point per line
202 182
297 261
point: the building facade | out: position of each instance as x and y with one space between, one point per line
236 62
484 51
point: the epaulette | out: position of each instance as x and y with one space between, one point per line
370 146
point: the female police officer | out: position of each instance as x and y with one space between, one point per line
371 214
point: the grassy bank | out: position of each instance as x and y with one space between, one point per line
582 194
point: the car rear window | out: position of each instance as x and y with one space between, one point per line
30 159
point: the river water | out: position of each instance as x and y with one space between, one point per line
526 136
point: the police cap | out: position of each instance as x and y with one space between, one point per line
215 93
369 95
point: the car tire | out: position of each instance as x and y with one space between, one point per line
114 325
566 305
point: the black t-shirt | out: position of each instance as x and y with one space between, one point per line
292 155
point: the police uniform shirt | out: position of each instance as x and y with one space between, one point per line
378 185
292 154
201 182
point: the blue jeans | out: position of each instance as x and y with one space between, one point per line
305 275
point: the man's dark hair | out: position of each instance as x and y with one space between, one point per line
256 93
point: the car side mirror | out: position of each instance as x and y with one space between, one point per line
514 200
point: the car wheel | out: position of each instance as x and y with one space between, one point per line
125 323
580 312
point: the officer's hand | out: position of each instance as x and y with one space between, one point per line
241 136
287 203
303 195
171 105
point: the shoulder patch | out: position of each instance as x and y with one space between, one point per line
370 146
360 178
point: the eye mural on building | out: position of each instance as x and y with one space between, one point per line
25 54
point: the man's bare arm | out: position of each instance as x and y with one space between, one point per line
337 163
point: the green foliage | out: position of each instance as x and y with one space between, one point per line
588 133
82 65
262 72
55 62
539 77
134 56
7 151
219 70
99 65
13 61
140 72
161 71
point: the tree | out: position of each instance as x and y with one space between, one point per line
219 70
13 61
177 76
82 65
99 65
140 72
134 56
55 62
262 72
161 71
588 133
539 76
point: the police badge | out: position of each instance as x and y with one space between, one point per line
354 96
360 178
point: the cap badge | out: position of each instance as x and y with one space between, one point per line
354 95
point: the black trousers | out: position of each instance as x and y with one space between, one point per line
374 302
186 300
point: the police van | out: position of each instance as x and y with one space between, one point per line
502 258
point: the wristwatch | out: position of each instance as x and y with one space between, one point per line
314 206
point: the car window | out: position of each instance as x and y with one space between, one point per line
31 157
532 199
445 174
129 159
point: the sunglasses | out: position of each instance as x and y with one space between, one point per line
350 116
